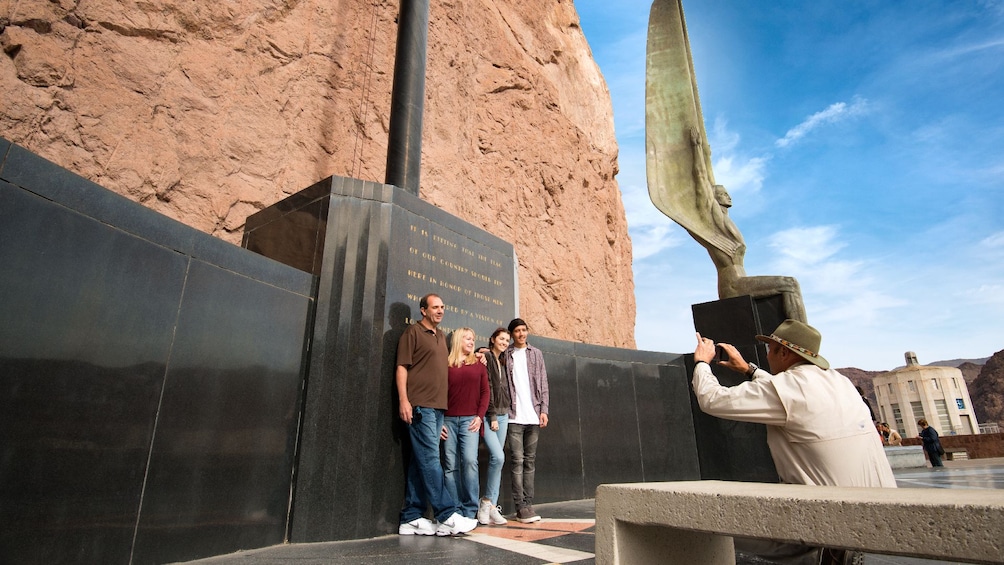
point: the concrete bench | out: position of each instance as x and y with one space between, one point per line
956 454
694 521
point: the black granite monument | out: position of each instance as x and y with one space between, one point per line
375 249
168 396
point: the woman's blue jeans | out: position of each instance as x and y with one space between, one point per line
460 451
495 441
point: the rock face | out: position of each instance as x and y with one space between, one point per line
987 391
970 371
210 111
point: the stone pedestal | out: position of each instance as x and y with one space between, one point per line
374 250
728 449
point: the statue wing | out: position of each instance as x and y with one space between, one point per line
672 112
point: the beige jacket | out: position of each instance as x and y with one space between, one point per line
818 430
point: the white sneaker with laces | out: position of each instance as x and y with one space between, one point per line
484 511
495 516
456 524
417 527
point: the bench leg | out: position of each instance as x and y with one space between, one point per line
637 544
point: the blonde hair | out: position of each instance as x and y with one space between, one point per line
457 358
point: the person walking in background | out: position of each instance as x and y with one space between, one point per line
468 399
527 380
497 420
932 445
421 379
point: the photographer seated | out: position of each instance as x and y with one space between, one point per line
818 430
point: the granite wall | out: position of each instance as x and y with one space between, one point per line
165 395
150 379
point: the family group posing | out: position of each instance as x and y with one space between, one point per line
449 395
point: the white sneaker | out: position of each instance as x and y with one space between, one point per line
418 527
456 524
495 516
484 511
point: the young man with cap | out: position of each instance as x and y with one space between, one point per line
527 380
818 430
422 377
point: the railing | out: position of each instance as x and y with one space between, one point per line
990 428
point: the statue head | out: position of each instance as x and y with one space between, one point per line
722 196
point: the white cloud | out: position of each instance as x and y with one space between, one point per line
737 172
994 241
806 246
740 176
834 113
969 49
987 294
834 289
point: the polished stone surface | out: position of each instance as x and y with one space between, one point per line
559 474
731 450
150 378
375 250
567 526
80 375
608 407
666 427
228 423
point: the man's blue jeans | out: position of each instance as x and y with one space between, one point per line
425 483
495 441
461 452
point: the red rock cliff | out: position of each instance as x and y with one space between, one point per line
210 111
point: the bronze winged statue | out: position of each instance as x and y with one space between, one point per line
681 182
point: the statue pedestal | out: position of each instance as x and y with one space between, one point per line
374 251
727 449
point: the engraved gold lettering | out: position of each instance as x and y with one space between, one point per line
444 241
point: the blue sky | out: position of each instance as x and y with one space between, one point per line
863 145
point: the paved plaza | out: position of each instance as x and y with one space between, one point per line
565 535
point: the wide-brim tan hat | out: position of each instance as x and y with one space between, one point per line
801 338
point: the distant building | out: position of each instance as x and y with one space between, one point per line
937 394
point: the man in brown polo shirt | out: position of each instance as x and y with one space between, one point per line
421 378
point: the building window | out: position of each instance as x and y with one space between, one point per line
934 383
897 416
890 389
918 412
912 386
943 419
960 403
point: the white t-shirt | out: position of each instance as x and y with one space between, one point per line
525 414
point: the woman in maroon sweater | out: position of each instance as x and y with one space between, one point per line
468 399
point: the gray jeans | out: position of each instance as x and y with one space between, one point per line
522 446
